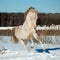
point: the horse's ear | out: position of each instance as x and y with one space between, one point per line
29 10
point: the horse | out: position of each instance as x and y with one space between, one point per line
27 31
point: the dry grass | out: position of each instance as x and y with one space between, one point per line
39 32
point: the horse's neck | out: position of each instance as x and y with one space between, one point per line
27 24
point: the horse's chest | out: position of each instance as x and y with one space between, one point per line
26 33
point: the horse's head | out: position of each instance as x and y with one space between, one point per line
32 15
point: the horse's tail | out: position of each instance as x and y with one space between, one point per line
15 40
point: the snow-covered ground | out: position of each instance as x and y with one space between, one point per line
51 27
12 51
6 28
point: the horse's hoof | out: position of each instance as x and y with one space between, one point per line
44 49
31 46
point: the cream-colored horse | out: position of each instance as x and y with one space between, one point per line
27 30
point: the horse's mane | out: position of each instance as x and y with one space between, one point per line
30 9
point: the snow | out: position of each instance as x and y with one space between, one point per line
12 51
13 54
52 27
6 28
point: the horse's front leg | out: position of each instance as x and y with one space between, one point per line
32 44
22 42
31 39
39 40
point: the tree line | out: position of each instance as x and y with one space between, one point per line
15 19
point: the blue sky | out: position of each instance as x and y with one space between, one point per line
45 6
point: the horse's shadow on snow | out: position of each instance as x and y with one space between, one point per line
47 50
